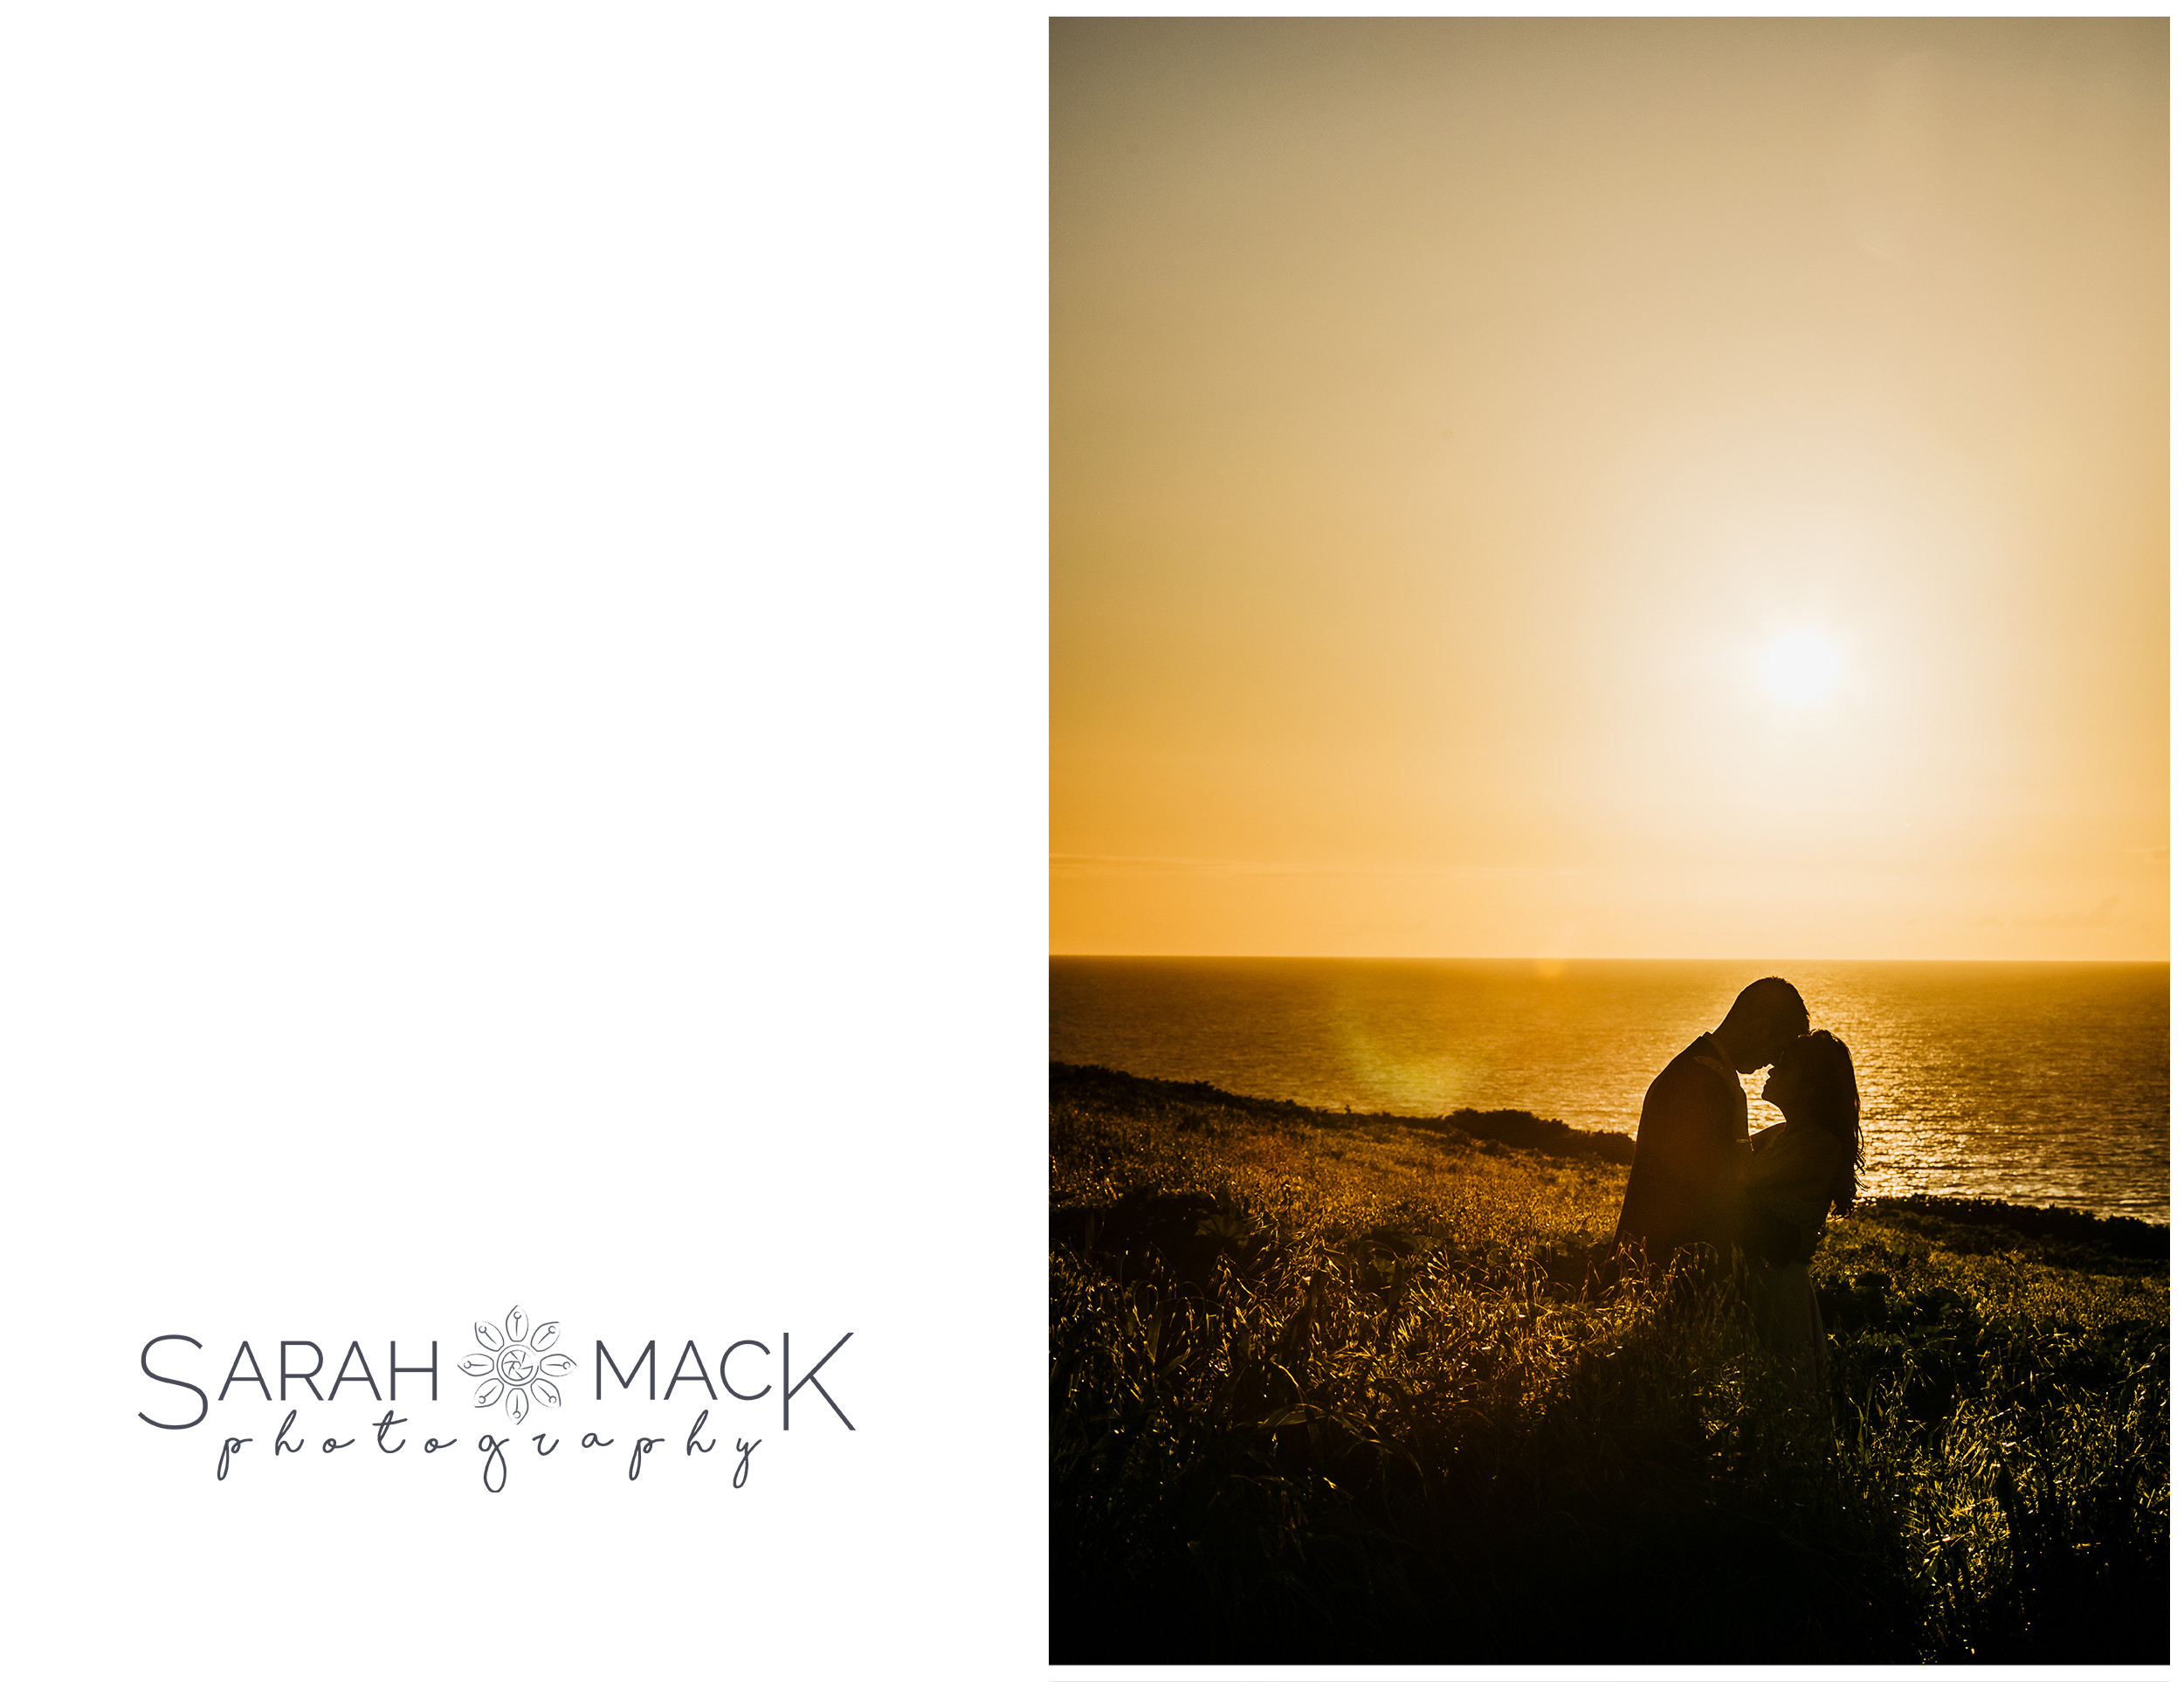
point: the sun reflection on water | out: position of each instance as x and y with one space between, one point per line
2031 1082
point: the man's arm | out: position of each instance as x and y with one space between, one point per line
1786 1195
1686 1150
1802 1164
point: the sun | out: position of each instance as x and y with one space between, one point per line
1801 668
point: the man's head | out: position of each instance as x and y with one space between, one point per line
1766 1017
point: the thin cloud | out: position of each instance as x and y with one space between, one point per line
1089 863
2097 918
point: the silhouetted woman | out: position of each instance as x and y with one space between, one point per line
1796 1172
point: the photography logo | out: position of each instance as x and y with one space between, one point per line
524 1374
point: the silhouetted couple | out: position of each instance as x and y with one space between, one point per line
1702 1183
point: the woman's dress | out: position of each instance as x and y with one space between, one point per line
1787 1181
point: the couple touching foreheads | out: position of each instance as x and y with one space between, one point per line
1701 1178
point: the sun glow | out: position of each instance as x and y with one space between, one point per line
1485 520
1800 668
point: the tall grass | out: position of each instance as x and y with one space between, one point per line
1330 1388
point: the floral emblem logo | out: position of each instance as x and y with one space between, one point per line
515 1365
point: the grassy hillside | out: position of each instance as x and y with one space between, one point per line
1330 1387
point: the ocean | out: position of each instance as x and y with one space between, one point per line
2036 1082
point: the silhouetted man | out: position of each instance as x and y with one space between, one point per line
1683 1187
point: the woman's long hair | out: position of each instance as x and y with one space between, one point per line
1823 1063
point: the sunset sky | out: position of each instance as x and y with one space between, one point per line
1610 488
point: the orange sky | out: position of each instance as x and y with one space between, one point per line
1624 488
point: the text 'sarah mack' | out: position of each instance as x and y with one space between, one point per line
750 1356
